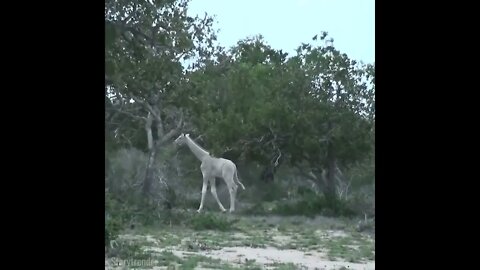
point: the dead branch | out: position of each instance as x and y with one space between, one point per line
279 156
127 139
314 186
342 185
245 143
198 138
309 175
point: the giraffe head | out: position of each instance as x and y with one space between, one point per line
181 139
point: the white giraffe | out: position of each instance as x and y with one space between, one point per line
212 167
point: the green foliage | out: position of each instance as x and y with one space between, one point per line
112 228
362 173
191 262
272 200
269 192
128 251
285 266
208 221
124 201
144 46
262 103
167 258
362 201
255 104
311 205
114 218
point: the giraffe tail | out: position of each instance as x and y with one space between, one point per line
238 180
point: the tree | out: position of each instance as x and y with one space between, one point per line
145 44
314 110
339 116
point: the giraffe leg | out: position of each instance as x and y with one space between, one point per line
204 191
228 176
213 190
233 192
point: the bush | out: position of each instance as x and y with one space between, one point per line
208 221
362 201
310 205
271 191
307 206
113 221
124 200
128 250
112 228
126 171
258 208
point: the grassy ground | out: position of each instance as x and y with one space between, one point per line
214 240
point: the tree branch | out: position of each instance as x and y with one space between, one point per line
148 129
174 131
280 155
137 33
246 143
130 114
309 175
180 56
148 107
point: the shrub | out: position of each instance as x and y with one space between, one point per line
113 221
362 201
124 200
208 221
112 227
310 205
128 250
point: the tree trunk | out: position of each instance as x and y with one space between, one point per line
152 153
154 142
268 174
150 172
330 190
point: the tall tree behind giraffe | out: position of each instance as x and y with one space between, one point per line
145 43
314 110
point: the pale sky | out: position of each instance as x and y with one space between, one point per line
285 24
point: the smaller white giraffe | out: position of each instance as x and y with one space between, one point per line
212 167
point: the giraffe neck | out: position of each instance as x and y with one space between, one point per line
199 152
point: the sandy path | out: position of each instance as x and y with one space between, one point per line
269 255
